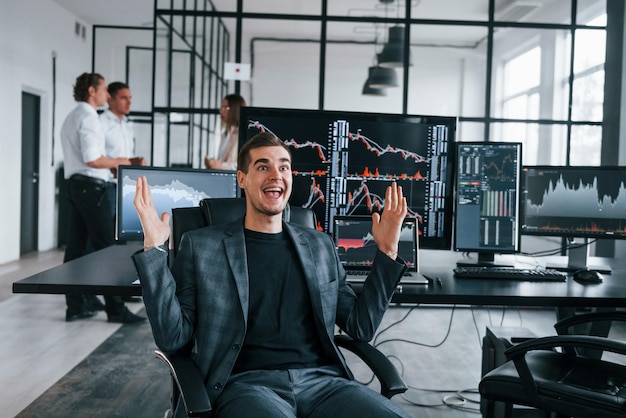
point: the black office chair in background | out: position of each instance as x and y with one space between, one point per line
187 383
570 382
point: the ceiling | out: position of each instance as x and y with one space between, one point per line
111 12
141 12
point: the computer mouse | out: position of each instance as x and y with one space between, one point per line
585 276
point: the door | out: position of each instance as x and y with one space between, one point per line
29 225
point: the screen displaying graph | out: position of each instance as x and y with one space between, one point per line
586 202
342 163
488 197
171 188
356 247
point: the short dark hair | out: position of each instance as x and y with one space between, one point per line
263 139
83 82
116 86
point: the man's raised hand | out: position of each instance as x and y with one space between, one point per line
156 230
386 227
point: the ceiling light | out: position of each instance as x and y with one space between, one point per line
381 77
392 54
372 91
368 90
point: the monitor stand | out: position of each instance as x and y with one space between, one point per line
578 259
485 260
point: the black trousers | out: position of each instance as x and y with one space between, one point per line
91 227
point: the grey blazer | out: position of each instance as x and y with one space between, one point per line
204 298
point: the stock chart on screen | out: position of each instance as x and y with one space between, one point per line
343 162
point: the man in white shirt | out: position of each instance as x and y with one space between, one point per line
119 135
88 175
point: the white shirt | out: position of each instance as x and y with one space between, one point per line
82 139
227 153
119 135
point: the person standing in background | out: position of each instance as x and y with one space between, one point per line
229 144
88 175
119 138
119 135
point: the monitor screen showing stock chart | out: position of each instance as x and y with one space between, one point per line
342 163
487 199
171 188
574 201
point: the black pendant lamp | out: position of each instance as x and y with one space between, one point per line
392 54
382 77
368 90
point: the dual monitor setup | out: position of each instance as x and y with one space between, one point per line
478 193
498 200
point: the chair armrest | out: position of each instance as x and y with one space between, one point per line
391 382
583 341
517 353
562 326
189 382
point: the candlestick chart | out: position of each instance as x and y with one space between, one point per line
343 163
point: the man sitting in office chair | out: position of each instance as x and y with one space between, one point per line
260 299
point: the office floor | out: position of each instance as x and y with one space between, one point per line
438 348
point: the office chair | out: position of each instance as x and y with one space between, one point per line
569 382
187 383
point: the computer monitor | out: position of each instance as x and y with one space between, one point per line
487 200
356 247
575 202
342 162
171 188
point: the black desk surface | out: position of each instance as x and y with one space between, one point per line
111 271
610 293
106 272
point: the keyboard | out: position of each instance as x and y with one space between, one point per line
510 273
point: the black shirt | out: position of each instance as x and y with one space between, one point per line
281 332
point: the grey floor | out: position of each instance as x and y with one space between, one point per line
438 348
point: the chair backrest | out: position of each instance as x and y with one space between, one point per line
215 211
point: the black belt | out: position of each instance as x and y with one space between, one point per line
92 180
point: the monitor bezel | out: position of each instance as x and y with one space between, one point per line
485 252
126 236
439 243
567 233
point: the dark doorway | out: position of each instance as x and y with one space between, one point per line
29 225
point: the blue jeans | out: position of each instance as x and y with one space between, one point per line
298 393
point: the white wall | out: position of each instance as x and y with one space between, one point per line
30 30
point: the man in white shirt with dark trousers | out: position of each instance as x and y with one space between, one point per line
119 138
88 175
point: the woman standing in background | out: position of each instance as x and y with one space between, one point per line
227 153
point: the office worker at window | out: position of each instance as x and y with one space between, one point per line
260 299
229 142
88 175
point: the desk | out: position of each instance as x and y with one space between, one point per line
111 272
611 293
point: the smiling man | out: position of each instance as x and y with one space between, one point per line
260 298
